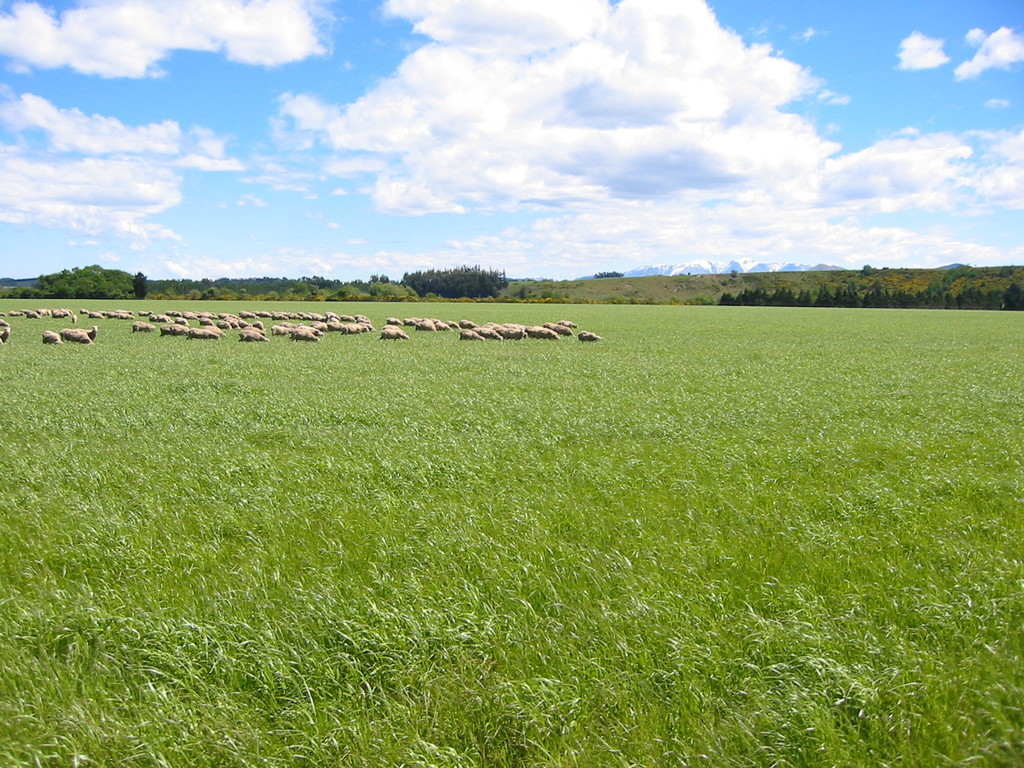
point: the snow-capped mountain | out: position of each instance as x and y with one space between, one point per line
705 267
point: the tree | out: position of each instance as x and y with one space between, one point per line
140 286
1013 297
461 282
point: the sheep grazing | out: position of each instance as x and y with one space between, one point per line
393 332
208 332
251 334
510 332
79 335
539 332
140 327
468 334
305 333
5 334
486 333
173 329
588 336
558 328
50 337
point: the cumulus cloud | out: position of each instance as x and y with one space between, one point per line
128 38
919 51
72 131
94 174
1000 177
90 195
553 104
1000 50
898 174
500 26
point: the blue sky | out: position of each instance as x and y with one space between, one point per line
232 138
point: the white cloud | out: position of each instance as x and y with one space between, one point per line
1000 178
643 98
70 130
501 26
252 200
898 174
95 174
1000 50
91 196
997 103
73 132
127 38
919 51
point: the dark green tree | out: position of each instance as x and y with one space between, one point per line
140 286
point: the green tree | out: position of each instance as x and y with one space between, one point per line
140 286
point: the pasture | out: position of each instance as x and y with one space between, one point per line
720 537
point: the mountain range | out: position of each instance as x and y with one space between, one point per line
705 267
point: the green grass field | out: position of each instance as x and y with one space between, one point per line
720 537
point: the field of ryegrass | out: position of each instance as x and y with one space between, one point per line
721 537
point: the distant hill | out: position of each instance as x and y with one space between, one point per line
709 288
10 282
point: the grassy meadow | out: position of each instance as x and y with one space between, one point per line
720 537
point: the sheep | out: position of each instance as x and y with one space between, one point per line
511 332
5 334
539 332
393 332
392 321
588 336
140 327
208 332
4 323
564 330
468 334
486 333
49 337
305 333
568 323
251 334
173 329
284 329
79 335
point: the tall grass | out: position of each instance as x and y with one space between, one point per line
723 536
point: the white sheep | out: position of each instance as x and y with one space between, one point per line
79 335
251 334
207 332
393 332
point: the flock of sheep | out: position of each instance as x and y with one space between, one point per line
299 326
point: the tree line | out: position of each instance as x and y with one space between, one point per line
95 282
932 297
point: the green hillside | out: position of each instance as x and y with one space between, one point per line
708 289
